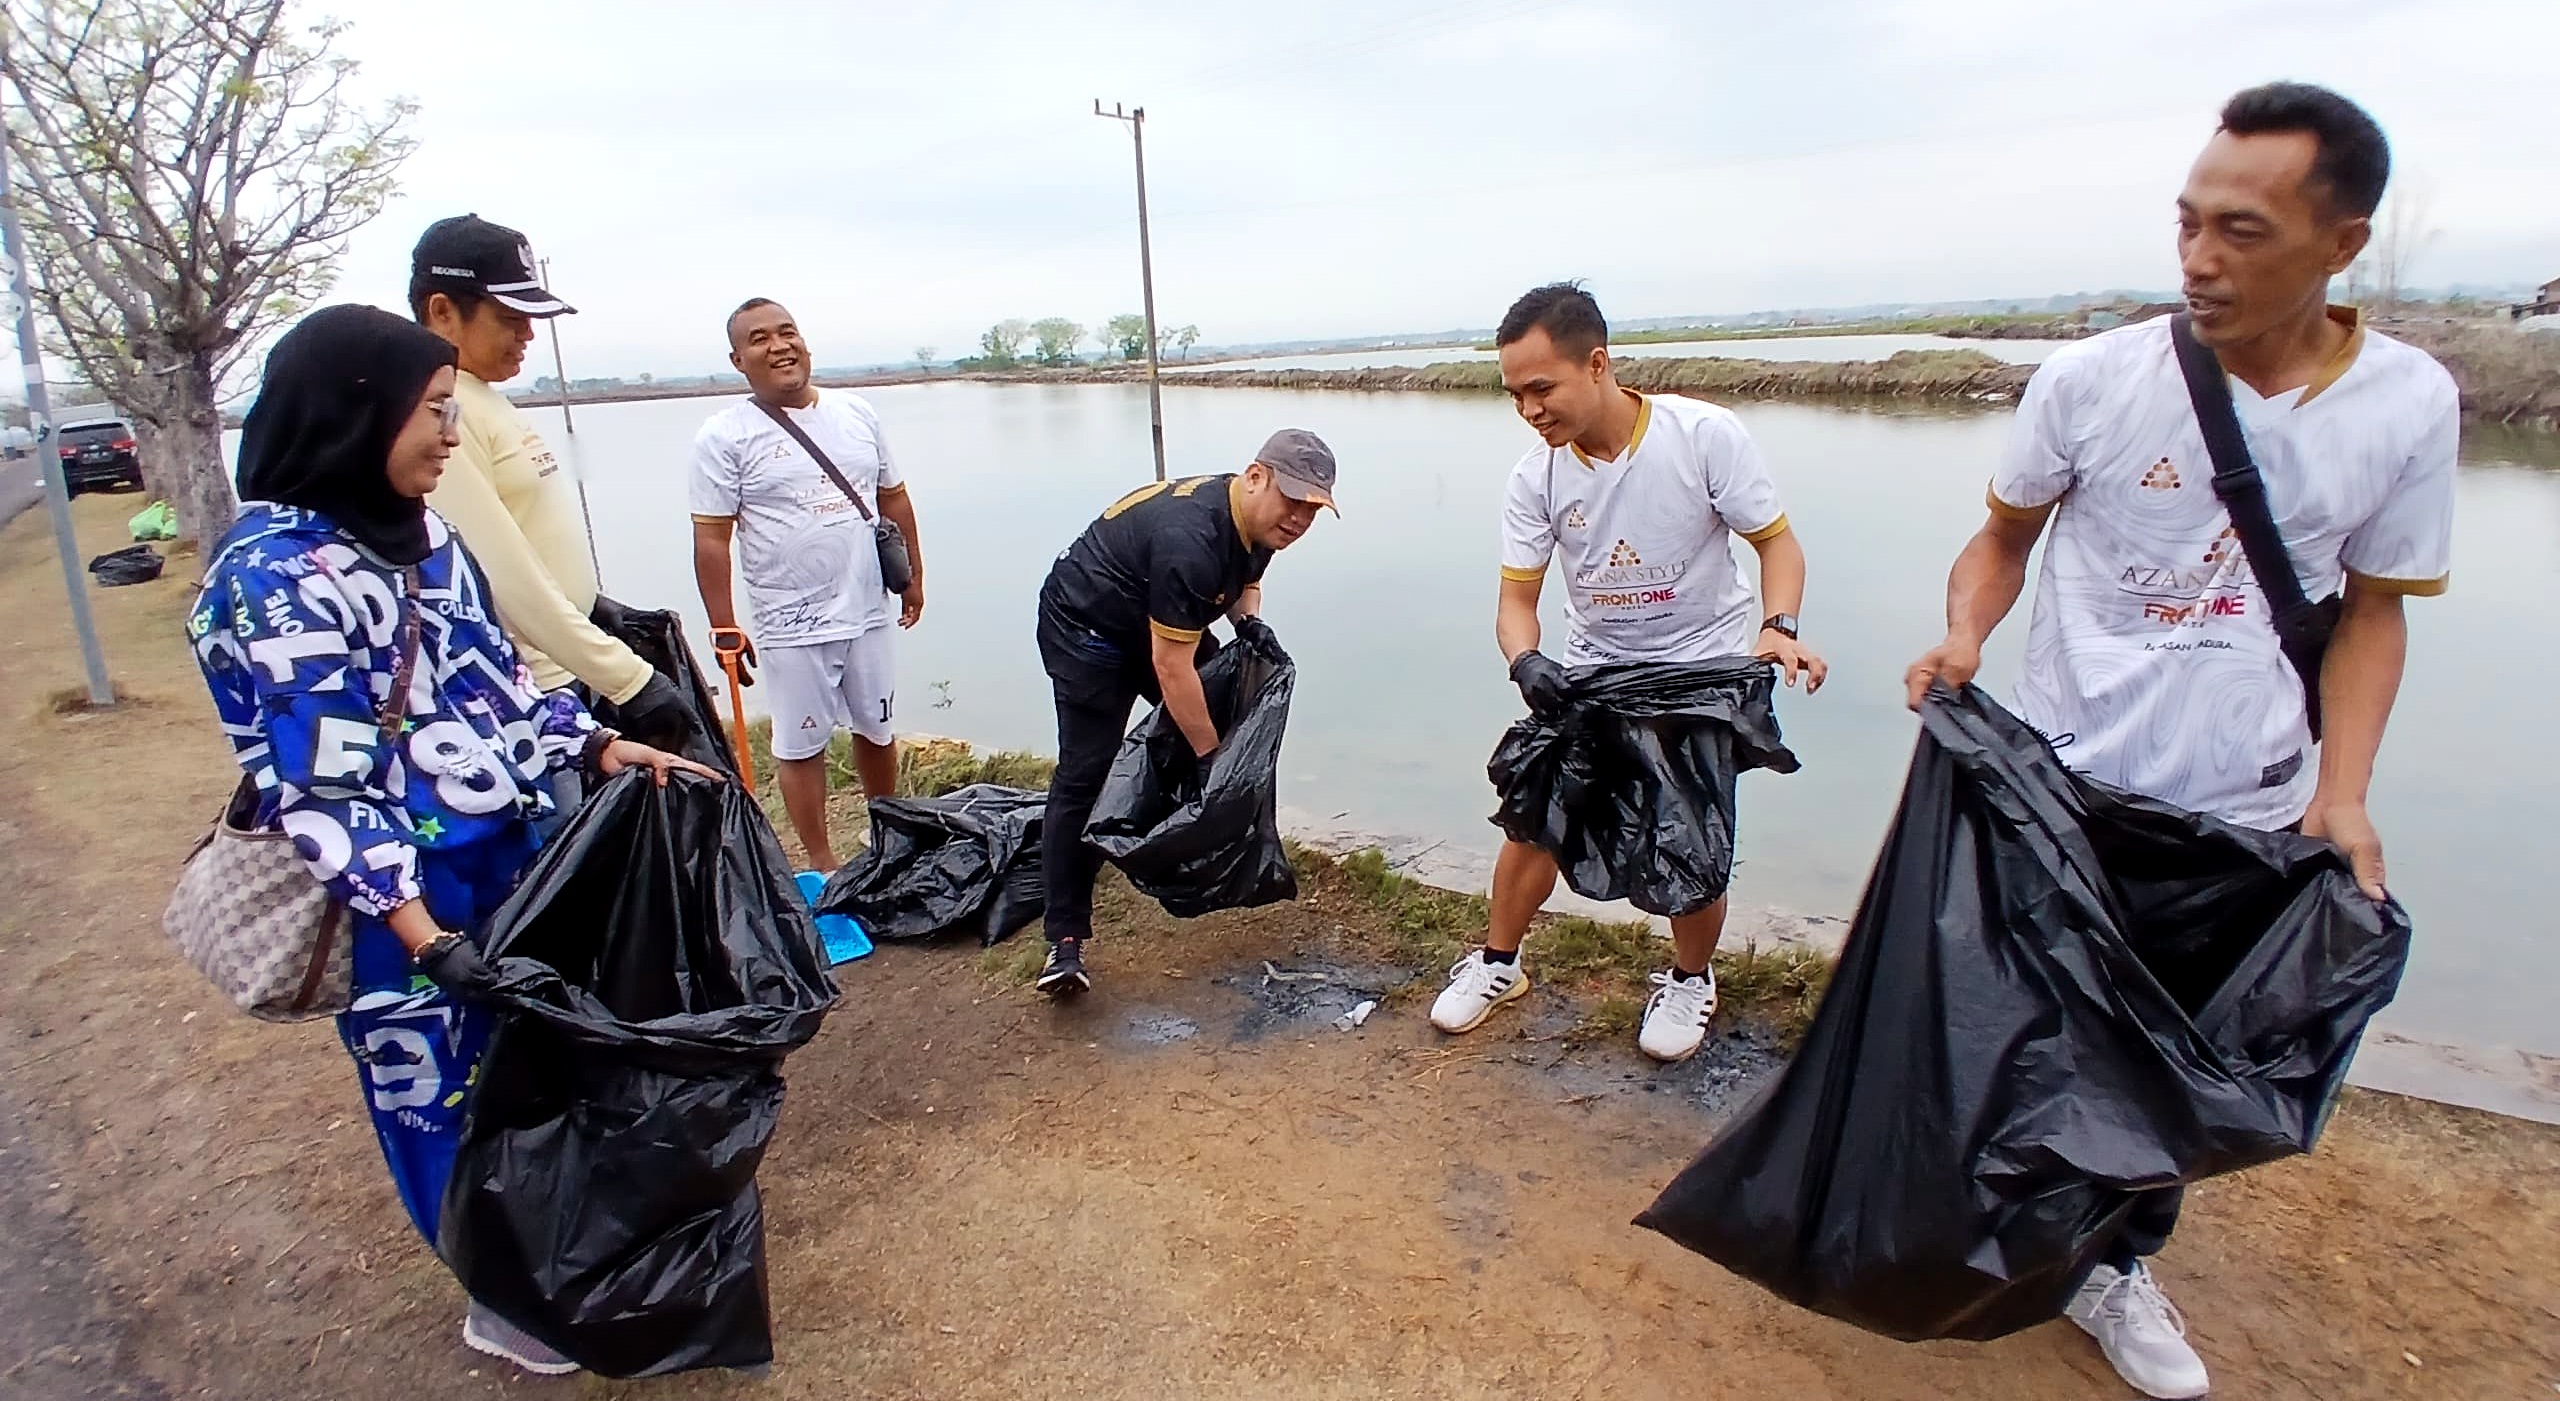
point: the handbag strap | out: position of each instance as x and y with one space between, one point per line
2235 477
394 708
797 436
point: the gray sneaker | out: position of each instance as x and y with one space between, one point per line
484 1331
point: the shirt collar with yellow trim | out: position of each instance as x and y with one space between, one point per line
1644 419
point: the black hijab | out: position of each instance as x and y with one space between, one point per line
339 387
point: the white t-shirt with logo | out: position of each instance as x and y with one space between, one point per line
1647 539
810 564
2151 661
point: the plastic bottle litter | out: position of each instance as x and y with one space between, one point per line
1355 1016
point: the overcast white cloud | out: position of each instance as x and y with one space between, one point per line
903 176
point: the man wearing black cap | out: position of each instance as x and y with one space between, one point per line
1124 615
474 283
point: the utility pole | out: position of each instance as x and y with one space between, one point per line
577 468
1137 122
20 303
560 371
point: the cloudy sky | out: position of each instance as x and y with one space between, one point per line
905 175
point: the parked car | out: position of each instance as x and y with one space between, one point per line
98 454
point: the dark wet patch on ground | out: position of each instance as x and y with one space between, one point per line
1303 994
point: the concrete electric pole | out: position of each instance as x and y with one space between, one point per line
1137 121
20 305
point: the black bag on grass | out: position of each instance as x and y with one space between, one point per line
1631 786
1200 842
964 863
656 636
655 965
2056 995
134 564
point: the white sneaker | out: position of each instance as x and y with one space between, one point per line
1475 988
484 1331
1676 1016
2140 1331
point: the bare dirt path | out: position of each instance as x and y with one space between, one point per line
1189 1185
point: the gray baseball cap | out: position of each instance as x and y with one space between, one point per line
1301 465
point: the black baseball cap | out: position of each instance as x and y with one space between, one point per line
467 253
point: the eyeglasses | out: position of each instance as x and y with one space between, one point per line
449 416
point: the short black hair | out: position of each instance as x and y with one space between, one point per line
2354 162
420 289
1561 309
730 327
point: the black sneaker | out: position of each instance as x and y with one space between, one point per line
1063 975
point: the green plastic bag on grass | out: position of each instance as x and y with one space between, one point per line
155 522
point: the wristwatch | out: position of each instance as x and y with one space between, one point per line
1783 624
435 948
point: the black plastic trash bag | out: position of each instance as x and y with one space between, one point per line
134 564
1631 786
656 636
655 964
2055 995
964 863
1198 842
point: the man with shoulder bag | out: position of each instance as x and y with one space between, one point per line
2241 497
804 480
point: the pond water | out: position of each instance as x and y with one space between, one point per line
1768 348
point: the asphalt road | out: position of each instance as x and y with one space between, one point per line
21 486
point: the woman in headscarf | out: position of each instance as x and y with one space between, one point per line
369 691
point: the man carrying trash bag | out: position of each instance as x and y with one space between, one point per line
1644 496
1124 614
2207 477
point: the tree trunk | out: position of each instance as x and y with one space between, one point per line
190 443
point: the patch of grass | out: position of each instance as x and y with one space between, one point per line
1603 951
1782 985
931 771
1612 1018
1425 926
1015 962
74 700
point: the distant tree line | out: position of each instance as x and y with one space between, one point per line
1052 341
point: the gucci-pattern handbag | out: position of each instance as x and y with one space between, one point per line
249 914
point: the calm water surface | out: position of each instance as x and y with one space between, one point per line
1764 348
1389 611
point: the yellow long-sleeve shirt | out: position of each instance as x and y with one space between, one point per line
517 512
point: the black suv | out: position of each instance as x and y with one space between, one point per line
97 454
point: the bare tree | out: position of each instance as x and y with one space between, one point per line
190 172
2401 231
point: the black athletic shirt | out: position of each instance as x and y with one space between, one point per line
1166 558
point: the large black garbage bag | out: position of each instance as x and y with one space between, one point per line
134 564
1631 785
964 863
1199 842
656 964
2054 996
656 636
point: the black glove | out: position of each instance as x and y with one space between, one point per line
658 716
1255 633
1543 684
746 654
453 963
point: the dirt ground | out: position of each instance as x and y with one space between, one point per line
1190 1184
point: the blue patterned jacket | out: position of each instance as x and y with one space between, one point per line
297 630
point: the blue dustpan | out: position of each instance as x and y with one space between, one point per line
843 934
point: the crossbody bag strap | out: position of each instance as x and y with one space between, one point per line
2235 477
411 641
797 436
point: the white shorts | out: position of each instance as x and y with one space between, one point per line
824 687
